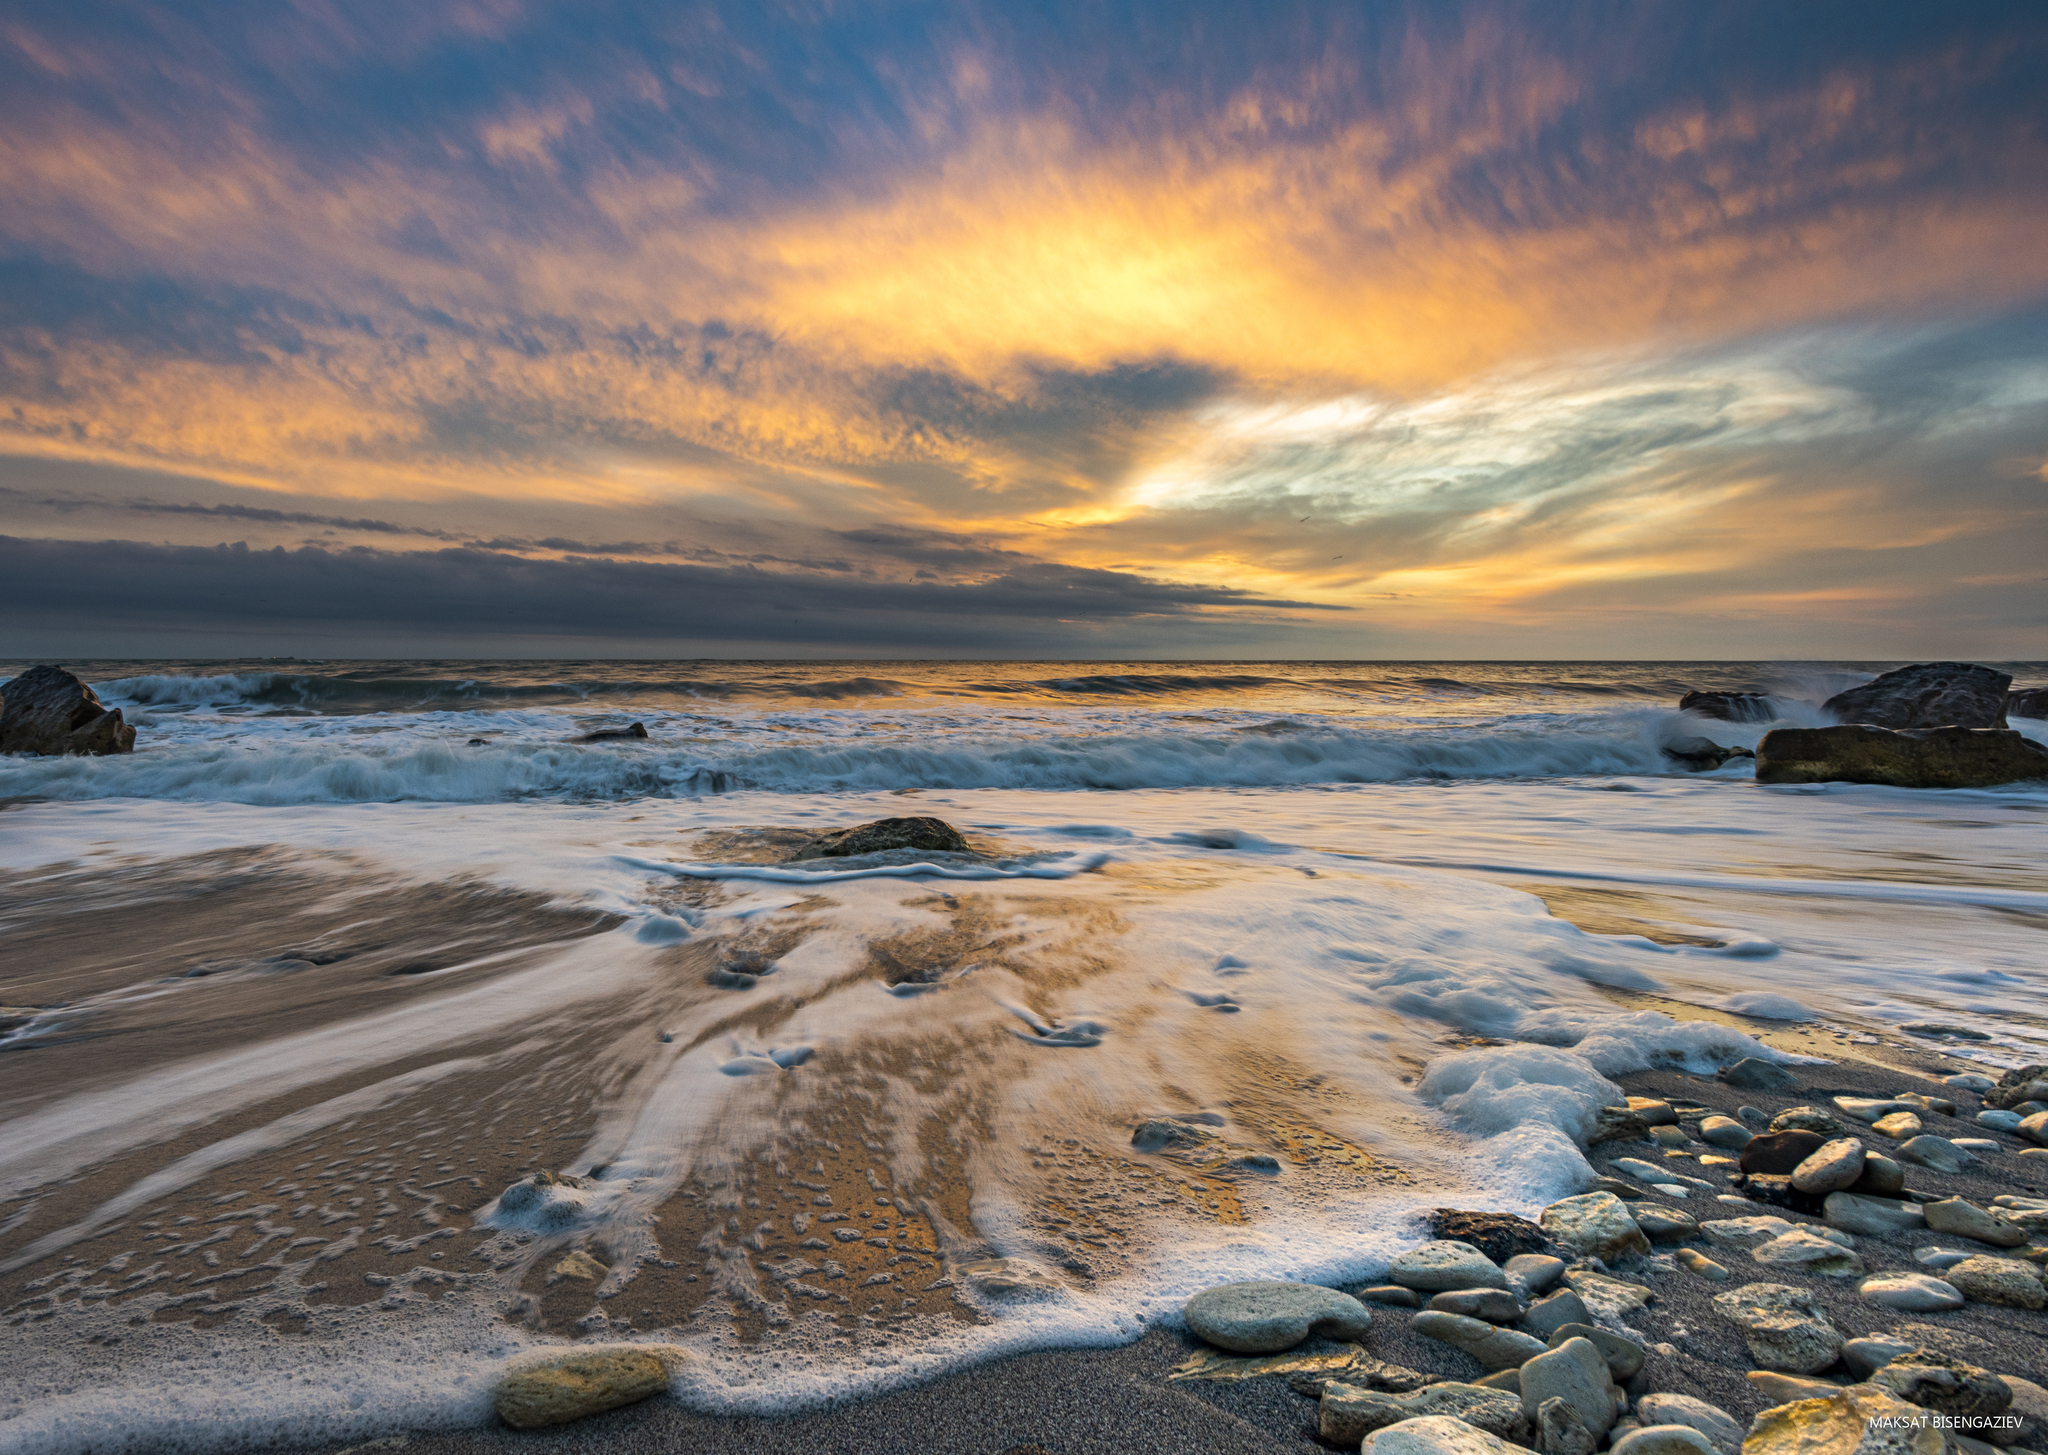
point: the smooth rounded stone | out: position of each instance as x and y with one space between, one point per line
1347 1414
1800 1249
2004 1281
1508 1379
1436 1435
568 1386
1806 1119
1939 1105
1882 1177
1977 1146
1775 1154
1969 1081
1608 1297
1938 1153
1865 1356
1624 1356
1946 1385
1493 1348
1868 1108
1784 1328
2036 1154
1911 1293
1966 1219
2000 1121
1753 1073
1722 1430
1666 1224
1655 1113
1752 1116
1832 1167
1939 1258
1900 1126
1595 1224
2034 1127
1268 1317
1698 1263
1852 1212
1494 1305
1551 1314
1446 1264
1673 1137
1533 1272
1577 1373
1628 1191
1642 1171
1720 1131
1393 1295
1784 1388
1747 1232
1664 1440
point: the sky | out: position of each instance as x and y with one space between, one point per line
806 328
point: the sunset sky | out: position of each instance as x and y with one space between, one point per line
504 327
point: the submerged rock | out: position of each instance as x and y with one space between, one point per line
48 711
1946 757
1702 755
933 835
587 1381
605 735
1266 1317
1930 695
1730 706
2027 702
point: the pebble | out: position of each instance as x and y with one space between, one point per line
2034 1127
1347 1414
1752 1073
1777 1153
1806 1119
2004 1281
1854 1213
1266 1317
1722 1430
1842 1421
1940 1105
1999 1121
1975 1146
1619 1188
1624 1356
1801 1249
1881 1177
1595 1224
1445 1264
1900 1126
1494 1305
1873 1352
1868 1108
1933 1257
1670 1137
1785 1329
1911 1292
1663 1440
1955 1215
1833 1167
1553 1313
585 1381
1970 1081
1754 1116
1613 1298
1577 1373
1945 1385
1784 1388
1534 1272
2034 1154
1642 1171
1393 1295
1493 1348
1654 1113
1720 1131
1666 1224
1699 1263
1436 1435
1745 1232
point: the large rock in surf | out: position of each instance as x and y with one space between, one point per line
1268 1317
49 711
2027 702
1931 695
1730 706
559 1388
1945 757
931 835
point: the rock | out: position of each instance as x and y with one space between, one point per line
1949 757
1869 1108
2000 1121
1782 1325
1720 1427
2038 1154
1617 1124
1608 1297
1778 1191
1900 1126
1508 1379
1939 1258
1642 1171
1160 1134
1730 706
1864 1356
1436 1435
1627 1191
1702 755
1624 1356
48 711
1752 1116
1696 1262
1553 1313
1911 1293
1753 1073
1783 1388
1664 1440
1575 1372
1930 695
1267 1317
1348 1414
2030 1403
1852 1212
1500 1236
2004 1281
1943 1384
1845 1423
1665 1224
931 835
1560 1430
1815 1255
588 1380
1392 1295
1594 1224
582 1266
1446 1264
1493 1348
1494 1305
1882 1177
1807 1119
1720 1131
2022 1083
1939 1105
1745 1232
1779 1153
1533 1272
1970 1081
1832 1167
1673 1138
2027 702
1939 1153
1654 1112
2034 1128
1966 1219
602 735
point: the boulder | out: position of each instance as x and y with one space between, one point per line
1931 695
1436 1435
1853 1212
1347 1414
2027 702
1702 755
1778 1154
1911 1293
2022 1083
48 711
1753 1073
1446 1264
1494 1305
930 835
1831 1167
1720 1427
560 1387
1268 1317
1860 1420
1730 706
1782 1325
1500 1236
1966 1219
1494 1348
1594 1224
2004 1281
1575 1372
1948 1386
1947 757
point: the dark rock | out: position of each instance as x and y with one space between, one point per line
932 835
1776 1189
1931 695
1624 1356
2022 1083
1500 1236
2027 702
1159 1133
1730 706
636 730
1702 755
1618 1124
1881 1177
1753 1073
50 712
1947 757
1945 1385
1775 1154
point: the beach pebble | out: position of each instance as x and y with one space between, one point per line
1911 1292
1493 1348
1560 1431
2005 1281
1553 1313
1664 1440
1868 1109
1752 1116
1832 1167
1882 1177
586 1381
1937 1382
1852 1212
1872 1352
1966 1219
1744 1232
1267 1317
2000 1121
2034 1127
1752 1073
1783 1388
1436 1435
1347 1414
1725 1132
1626 1190
1577 1373
1654 1113
1785 1329
2036 1154
1969 1081
1595 1224
1939 1258
1938 1153
1975 1146
1722 1430
1665 1224
1806 1119
1494 1305
1900 1126
1673 1137
1617 1124
1940 1105
1801 1249
1393 1295
1841 1421
1696 1262
1775 1154
1624 1356
1446 1264
1533 1272
1636 1167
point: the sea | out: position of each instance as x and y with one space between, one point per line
374 1025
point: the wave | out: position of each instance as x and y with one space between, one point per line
301 692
